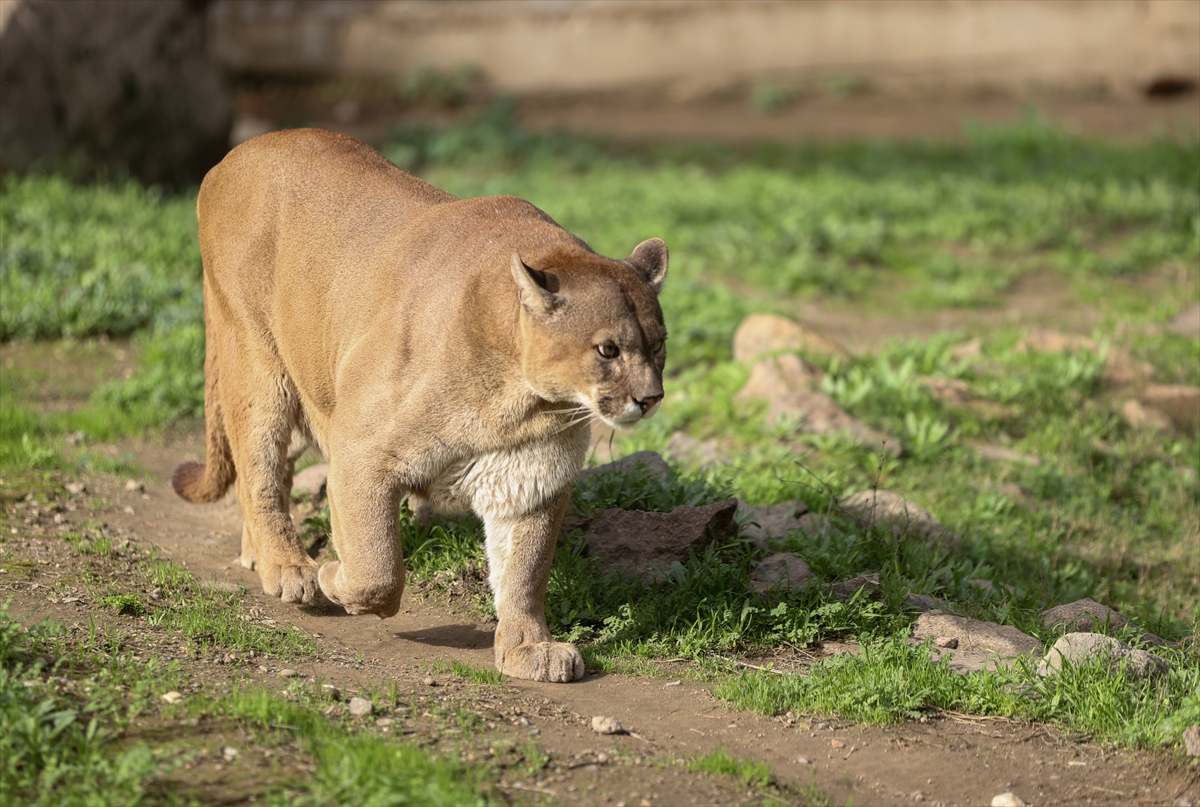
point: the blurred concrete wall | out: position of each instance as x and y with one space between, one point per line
693 46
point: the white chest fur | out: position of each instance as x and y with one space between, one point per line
510 482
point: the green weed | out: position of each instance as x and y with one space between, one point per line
752 773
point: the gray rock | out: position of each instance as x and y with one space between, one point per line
783 569
687 450
760 334
997 453
1075 648
1088 616
112 87
922 602
1179 402
288 673
361 706
848 588
883 507
981 645
1141 417
1186 322
647 463
644 543
312 480
1191 741
1007 799
767 521
607 725
75 488
810 410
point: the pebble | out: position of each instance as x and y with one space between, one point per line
75 488
361 706
802 761
1191 741
383 722
136 485
837 743
1007 799
288 673
332 691
949 642
428 681
229 752
607 725
173 697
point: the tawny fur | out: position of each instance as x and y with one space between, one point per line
451 351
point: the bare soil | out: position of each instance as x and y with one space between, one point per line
953 759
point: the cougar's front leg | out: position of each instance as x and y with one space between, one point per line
368 577
520 551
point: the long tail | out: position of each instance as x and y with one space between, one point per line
205 482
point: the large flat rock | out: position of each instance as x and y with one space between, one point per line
645 544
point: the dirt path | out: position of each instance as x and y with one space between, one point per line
952 760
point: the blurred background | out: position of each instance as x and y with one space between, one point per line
159 88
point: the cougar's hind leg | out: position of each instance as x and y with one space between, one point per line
260 438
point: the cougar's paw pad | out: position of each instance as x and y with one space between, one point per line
556 662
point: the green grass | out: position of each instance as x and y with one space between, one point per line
483 676
890 681
68 733
752 773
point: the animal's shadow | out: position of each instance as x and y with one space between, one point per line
465 637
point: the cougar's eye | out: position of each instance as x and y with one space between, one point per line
658 346
608 350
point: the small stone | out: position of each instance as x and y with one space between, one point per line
75 488
156 593
1007 799
1186 322
687 450
428 681
135 485
1075 648
997 453
361 706
288 673
848 588
1179 402
764 522
602 758
802 761
770 333
948 642
172 697
640 463
229 752
229 658
917 795
906 519
645 544
1140 417
836 743
784 570
1089 616
383 722
981 645
1191 741
606 725
922 602
311 481
332 691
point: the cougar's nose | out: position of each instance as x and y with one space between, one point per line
648 402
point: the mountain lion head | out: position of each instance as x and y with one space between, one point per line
592 330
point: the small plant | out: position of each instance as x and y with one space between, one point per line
483 676
125 604
768 97
752 773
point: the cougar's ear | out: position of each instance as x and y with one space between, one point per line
649 260
535 288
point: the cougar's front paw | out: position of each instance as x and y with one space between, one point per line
292 583
556 662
